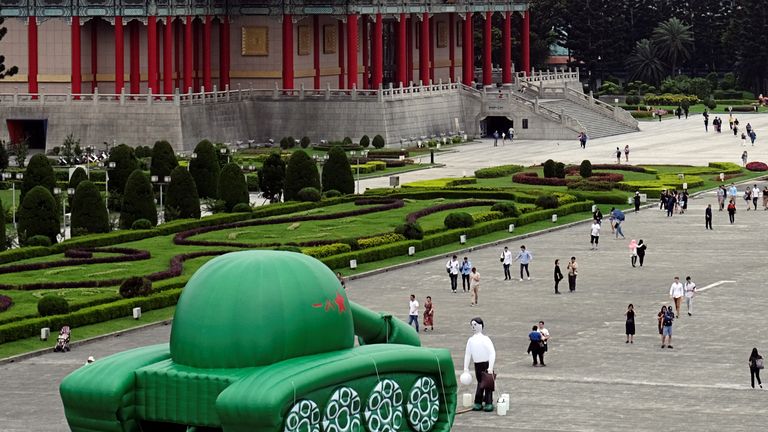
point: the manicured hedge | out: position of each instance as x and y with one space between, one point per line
498 171
574 169
121 255
726 167
414 216
757 166
459 193
379 240
534 179
326 250
441 183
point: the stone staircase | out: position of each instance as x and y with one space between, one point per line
597 123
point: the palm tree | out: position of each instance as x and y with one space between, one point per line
644 63
674 40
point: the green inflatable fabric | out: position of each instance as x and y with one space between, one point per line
264 341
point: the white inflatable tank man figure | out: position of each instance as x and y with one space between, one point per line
481 351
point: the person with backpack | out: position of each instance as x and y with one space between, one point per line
583 139
755 364
666 328
452 267
618 217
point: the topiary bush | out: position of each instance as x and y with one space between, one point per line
135 286
38 215
560 170
410 230
3 240
78 176
300 173
498 171
163 159
232 187
38 240
182 201
141 224
242 208
272 177
333 193
126 163
458 220
142 152
52 305
205 169
549 168
305 142
507 208
309 194
89 213
138 201
337 173
378 142
39 172
347 141
287 143
632 100
5 303
365 141
585 169
547 201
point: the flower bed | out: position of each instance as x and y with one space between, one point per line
757 166
441 183
414 216
5 303
574 169
606 177
534 179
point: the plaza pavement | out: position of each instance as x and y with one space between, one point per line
594 381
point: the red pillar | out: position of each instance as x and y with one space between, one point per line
32 55
224 55
196 54
487 38
366 41
207 27
402 40
135 73
152 54
119 56
409 50
378 48
424 50
94 55
340 39
352 40
452 46
177 52
77 76
287 52
506 50
316 49
168 56
432 47
188 64
467 60
526 43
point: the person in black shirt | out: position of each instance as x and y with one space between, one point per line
558 275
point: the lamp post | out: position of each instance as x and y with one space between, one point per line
162 181
63 193
17 176
357 156
107 168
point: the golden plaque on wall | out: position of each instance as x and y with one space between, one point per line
255 41
330 39
305 40
442 34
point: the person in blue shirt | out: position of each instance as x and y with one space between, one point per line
465 268
535 347
525 257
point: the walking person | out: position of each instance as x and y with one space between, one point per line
594 238
573 271
633 252
666 330
732 192
732 211
676 292
755 195
583 140
544 338
429 315
618 217
765 198
525 257
755 364
465 268
413 312
629 326
495 138
558 275
721 192
708 217
506 261
690 291
618 155
744 157
474 284
637 201
626 153
748 197
706 121
671 202
536 346
683 201
660 319
511 134
452 267
641 247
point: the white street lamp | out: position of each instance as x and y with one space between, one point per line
10 176
63 193
162 181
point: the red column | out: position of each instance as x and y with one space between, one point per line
378 48
225 56
424 49
352 40
188 64
196 54
119 56
32 55
94 55
487 38
527 43
135 73
409 50
152 54
287 52
316 49
207 27
366 54
506 50
340 39
77 76
168 56
467 60
432 47
177 52
402 41
452 45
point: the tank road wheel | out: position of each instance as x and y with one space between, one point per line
342 414
304 416
384 411
423 405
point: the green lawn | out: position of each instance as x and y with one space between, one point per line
7 197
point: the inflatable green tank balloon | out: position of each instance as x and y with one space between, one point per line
265 341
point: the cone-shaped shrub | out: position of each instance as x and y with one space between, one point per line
182 196
39 173
205 169
300 173
89 214
272 177
337 174
233 189
163 159
125 163
138 201
38 215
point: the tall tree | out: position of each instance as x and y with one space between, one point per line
163 159
39 172
644 64
337 173
89 214
3 71
38 215
138 201
205 168
748 37
300 173
675 41
232 187
182 200
272 177
126 163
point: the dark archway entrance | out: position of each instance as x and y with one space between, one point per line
34 131
496 123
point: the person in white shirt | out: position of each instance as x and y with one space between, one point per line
452 267
544 335
413 312
506 260
525 257
481 351
594 237
676 291
690 291
755 195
